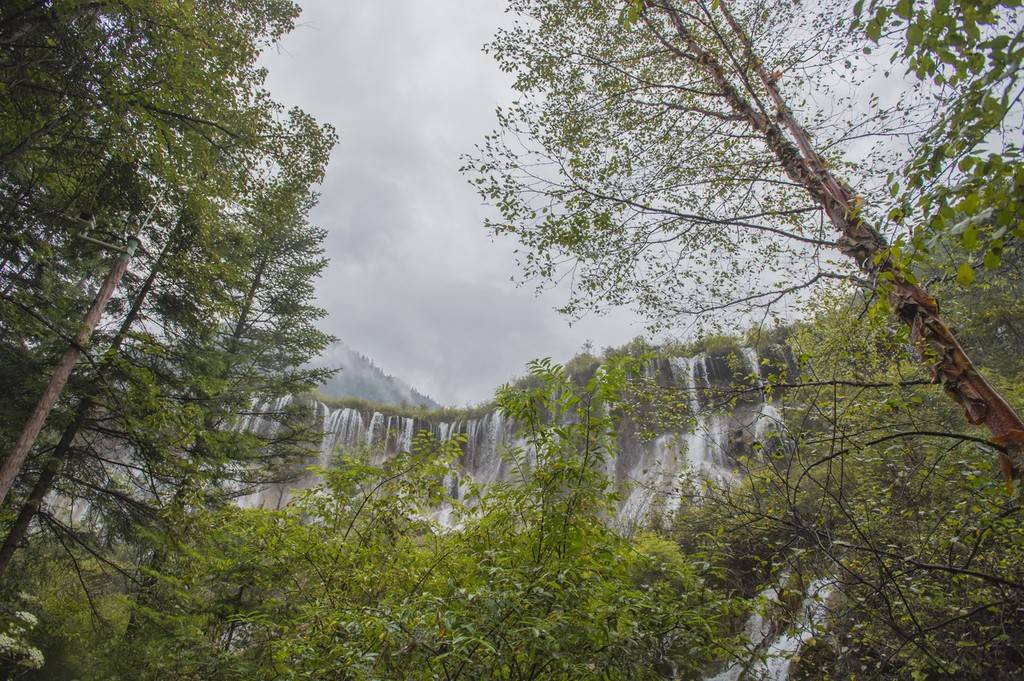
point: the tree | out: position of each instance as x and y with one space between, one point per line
354 576
654 159
883 495
961 187
115 113
27 437
180 374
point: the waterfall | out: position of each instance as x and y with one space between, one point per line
405 441
710 441
647 473
654 472
343 428
258 418
773 650
707 439
750 354
769 422
650 477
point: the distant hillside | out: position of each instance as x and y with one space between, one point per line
361 378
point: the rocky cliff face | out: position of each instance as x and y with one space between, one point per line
646 470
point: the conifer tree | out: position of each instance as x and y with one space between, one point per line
114 109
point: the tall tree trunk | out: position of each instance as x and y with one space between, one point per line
55 462
16 458
44 483
947 361
235 341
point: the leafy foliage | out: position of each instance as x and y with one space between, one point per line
125 554
356 577
963 184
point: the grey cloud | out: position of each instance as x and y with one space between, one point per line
415 282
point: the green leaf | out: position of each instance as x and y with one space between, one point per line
965 274
970 238
914 34
631 13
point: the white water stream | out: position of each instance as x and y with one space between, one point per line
647 474
772 651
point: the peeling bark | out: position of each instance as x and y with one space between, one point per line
949 364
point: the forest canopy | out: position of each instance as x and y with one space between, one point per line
815 475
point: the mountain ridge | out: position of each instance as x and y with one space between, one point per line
359 377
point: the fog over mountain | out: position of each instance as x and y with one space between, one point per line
360 377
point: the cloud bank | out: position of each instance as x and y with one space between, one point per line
415 281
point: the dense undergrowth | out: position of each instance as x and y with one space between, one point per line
872 533
879 494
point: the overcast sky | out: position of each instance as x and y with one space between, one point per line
415 281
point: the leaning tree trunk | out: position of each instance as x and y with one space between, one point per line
44 483
11 466
60 455
949 364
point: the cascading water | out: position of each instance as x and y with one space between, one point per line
653 473
260 419
769 422
750 355
772 650
647 473
707 441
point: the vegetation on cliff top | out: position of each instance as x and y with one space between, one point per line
690 168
